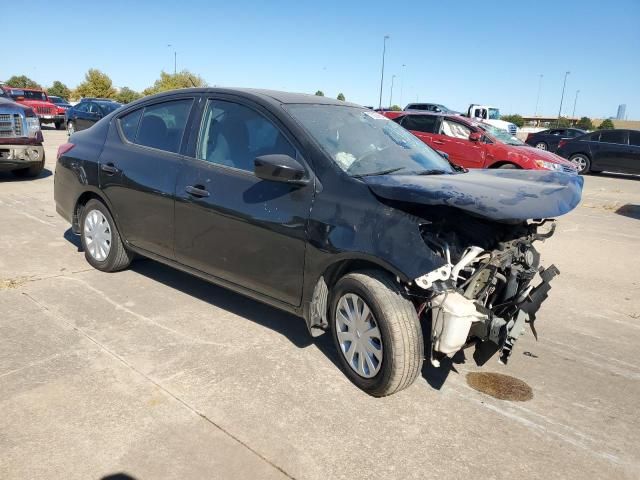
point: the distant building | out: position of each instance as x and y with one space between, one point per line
622 111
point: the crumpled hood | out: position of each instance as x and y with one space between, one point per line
500 195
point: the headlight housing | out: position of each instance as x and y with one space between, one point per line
33 126
556 167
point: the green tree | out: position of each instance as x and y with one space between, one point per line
395 108
341 97
606 124
96 84
515 119
22 81
320 93
59 89
172 81
585 123
126 95
563 122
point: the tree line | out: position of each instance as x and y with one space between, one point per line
585 123
99 84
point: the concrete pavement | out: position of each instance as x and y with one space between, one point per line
160 375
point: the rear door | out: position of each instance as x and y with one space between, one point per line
139 166
612 150
422 126
633 160
453 138
232 224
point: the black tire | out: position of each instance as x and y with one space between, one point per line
586 161
118 257
33 171
397 320
59 125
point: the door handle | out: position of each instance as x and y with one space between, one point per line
108 168
197 191
438 142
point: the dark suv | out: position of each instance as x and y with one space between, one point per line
324 209
610 150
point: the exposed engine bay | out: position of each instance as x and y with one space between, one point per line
491 285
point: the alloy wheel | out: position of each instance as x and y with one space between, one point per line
541 145
97 234
358 335
580 162
71 128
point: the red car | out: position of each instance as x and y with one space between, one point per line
46 110
471 144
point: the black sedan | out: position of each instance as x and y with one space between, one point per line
549 139
610 150
59 102
321 208
84 114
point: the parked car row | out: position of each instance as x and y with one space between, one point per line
36 99
327 210
87 112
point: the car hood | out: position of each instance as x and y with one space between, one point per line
531 153
499 195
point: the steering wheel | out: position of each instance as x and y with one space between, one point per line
365 155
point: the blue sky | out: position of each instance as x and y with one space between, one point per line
455 52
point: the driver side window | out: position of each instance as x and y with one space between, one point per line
455 130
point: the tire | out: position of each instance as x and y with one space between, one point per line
398 336
31 172
582 163
71 127
508 166
113 258
59 125
542 146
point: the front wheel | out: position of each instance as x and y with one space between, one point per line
582 163
31 172
376 332
103 247
59 125
541 146
71 127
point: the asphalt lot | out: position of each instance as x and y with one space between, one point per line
161 375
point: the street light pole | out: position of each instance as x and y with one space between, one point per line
538 97
562 97
393 77
574 104
401 83
175 59
384 51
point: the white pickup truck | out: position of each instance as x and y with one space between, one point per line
491 115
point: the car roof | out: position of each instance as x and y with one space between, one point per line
271 96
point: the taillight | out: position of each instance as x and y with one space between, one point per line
528 137
561 143
64 148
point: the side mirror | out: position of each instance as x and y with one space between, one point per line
475 137
279 168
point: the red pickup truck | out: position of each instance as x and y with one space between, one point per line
45 109
471 144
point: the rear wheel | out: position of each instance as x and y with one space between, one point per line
71 127
59 125
542 146
376 332
582 163
103 247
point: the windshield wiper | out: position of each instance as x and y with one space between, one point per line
375 174
433 171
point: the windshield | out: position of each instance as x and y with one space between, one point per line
108 107
58 100
362 142
28 95
500 135
494 114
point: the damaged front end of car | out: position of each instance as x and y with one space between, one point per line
487 296
482 226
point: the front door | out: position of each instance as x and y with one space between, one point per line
231 224
612 150
139 166
453 138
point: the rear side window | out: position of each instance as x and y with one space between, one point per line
129 124
420 123
558 132
595 137
613 136
162 125
634 138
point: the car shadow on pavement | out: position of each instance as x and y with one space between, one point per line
10 177
629 210
291 327
118 476
619 176
73 239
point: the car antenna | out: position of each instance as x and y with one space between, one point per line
192 82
